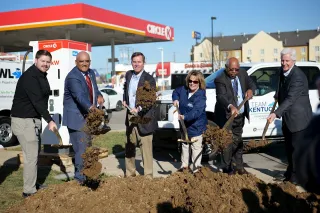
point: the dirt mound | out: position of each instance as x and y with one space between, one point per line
91 165
204 191
218 138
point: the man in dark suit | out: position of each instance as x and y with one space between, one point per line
232 86
294 107
81 95
138 134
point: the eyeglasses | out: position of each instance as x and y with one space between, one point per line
234 69
195 82
82 61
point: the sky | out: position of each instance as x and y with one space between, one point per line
234 17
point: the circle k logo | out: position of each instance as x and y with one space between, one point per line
162 31
54 45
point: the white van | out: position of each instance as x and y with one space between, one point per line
266 77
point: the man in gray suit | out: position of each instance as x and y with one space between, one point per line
294 108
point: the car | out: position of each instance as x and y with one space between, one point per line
115 98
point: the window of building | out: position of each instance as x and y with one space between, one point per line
237 54
318 58
303 50
317 48
262 51
200 55
303 59
275 59
225 54
262 60
275 51
249 52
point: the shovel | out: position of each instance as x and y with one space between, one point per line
60 145
138 119
230 120
267 123
184 131
255 145
104 128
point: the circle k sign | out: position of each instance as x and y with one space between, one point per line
165 32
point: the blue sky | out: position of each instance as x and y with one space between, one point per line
233 17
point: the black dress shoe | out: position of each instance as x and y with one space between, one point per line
224 170
242 172
293 180
25 195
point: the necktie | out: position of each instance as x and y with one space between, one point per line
235 88
89 84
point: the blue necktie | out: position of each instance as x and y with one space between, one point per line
235 88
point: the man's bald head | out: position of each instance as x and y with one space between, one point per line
232 67
83 61
231 61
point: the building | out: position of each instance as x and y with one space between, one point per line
260 47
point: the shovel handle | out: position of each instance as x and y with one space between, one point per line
267 123
184 129
129 108
56 132
227 124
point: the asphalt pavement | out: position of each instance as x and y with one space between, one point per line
117 120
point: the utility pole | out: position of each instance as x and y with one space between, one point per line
212 54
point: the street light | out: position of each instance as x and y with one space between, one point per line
162 69
212 55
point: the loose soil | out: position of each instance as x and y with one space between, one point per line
94 122
256 146
218 138
146 95
91 165
146 98
204 191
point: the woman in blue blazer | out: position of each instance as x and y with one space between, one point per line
191 100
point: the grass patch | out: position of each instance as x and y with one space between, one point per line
113 141
11 184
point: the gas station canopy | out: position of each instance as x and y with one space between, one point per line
78 22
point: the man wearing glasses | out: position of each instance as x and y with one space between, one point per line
81 95
232 86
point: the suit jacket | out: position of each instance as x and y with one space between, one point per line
193 109
144 129
76 99
293 98
225 95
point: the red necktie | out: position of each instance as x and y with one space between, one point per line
89 87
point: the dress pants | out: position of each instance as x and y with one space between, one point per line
28 132
235 149
80 141
292 141
134 139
